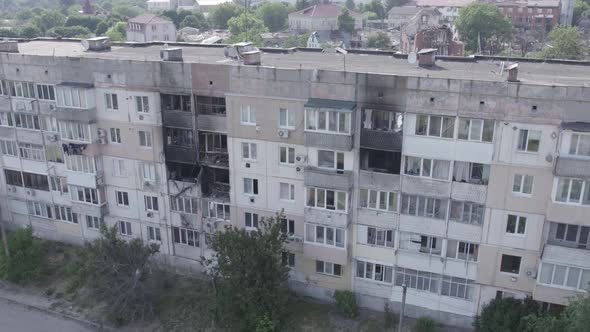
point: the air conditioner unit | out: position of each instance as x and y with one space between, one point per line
299 169
52 138
30 192
252 199
283 133
301 159
147 184
531 273
150 214
12 189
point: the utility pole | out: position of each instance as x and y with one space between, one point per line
401 313
3 234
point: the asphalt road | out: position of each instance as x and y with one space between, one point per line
17 318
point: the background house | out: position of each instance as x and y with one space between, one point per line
321 18
150 27
398 16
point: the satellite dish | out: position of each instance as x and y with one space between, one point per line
412 58
85 44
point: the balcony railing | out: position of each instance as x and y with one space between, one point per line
330 179
572 167
381 140
329 141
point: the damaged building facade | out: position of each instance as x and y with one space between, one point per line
456 182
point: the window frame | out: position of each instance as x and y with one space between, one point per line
517 225
254 185
325 241
290 190
111 101
289 118
519 260
392 200
312 122
125 228
142 105
288 161
249 151
122 198
521 139
247 115
371 274
328 268
325 193
427 132
147 139
518 184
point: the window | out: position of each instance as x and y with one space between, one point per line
522 184
45 92
286 118
119 168
286 155
574 191
250 186
179 137
419 280
58 183
251 220
36 181
31 151
476 130
50 124
6 119
14 178
288 258
288 226
185 236
40 209
462 250
213 142
327 121
154 234
111 100
142 104
457 287
473 173
151 203
424 206
248 115
328 268
327 199
249 151
26 121
571 235
467 212
176 103
125 228
380 237
287 191
324 235
9 148
430 168
529 140
216 210
122 198
580 145
148 171
374 272
145 139
510 264
435 126
74 131
21 89
428 245
211 105
71 97
84 194
565 276
80 163
54 153
516 225
331 159
115 135
64 213
184 204
94 222
383 120
378 200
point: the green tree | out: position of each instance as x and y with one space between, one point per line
23 264
505 315
248 24
350 4
221 14
274 15
564 43
574 318
89 22
69 32
30 31
345 21
580 7
197 20
8 33
172 15
49 19
250 299
301 4
394 3
296 41
101 28
117 32
25 15
485 22
124 10
376 7
379 40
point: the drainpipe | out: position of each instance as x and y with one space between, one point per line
3 234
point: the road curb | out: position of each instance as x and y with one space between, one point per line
88 323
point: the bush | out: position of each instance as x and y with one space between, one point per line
424 324
505 315
346 303
391 318
24 263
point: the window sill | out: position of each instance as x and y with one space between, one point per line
516 235
385 283
328 275
248 124
519 194
326 210
324 245
327 132
510 274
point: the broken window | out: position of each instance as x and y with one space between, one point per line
182 172
380 161
176 103
382 120
210 105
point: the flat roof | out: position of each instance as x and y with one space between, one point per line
480 69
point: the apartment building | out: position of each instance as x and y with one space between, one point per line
457 183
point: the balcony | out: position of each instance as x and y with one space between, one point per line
183 172
381 140
329 141
572 167
325 253
329 179
326 217
5 104
379 181
214 159
181 154
463 191
178 119
215 184
426 186
84 115
212 122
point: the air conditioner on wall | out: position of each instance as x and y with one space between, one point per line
299 169
301 159
52 137
283 133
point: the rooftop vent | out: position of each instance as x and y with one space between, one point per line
96 44
512 72
426 57
8 46
252 57
171 54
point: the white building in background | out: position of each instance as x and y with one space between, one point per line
161 5
150 27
